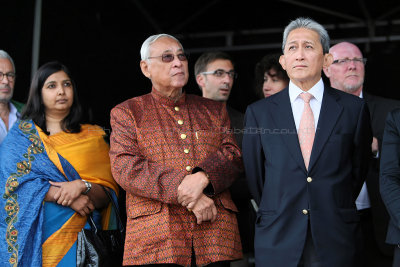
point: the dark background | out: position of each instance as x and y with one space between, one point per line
100 40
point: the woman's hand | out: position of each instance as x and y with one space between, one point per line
68 192
82 205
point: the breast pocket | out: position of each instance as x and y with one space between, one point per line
207 141
341 138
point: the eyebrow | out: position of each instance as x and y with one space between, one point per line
50 82
170 51
303 42
225 70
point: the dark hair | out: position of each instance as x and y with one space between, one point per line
209 57
268 62
34 108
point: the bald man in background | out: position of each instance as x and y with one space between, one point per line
347 73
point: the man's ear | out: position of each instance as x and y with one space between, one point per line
282 61
144 66
200 80
328 59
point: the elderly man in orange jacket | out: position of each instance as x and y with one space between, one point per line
176 157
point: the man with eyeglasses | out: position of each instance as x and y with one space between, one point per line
346 73
175 156
9 109
215 76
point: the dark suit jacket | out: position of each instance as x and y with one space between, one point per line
390 174
285 190
379 107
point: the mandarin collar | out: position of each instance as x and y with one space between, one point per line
166 100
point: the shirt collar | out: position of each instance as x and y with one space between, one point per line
166 100
317 91
14 111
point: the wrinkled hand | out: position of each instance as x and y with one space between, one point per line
205 209
68 191
82 205
191 188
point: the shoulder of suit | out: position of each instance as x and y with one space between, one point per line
380 99
395 113
135 101
345 96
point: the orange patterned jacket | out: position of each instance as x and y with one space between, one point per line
155 143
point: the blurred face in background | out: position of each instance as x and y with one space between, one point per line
347 71
273 83
8 81
218 82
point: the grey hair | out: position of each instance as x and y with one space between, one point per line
145 49
4 54
307 23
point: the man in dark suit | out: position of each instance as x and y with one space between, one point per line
346 73
305 160
215 75
390 179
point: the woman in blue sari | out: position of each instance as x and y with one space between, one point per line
52 169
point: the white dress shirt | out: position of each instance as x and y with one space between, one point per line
298 104
12 118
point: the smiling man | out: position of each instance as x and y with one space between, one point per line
9 109
304 151
347 73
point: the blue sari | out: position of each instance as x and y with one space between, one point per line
26 221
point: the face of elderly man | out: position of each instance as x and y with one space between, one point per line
347 73
303 58
166 77
6 85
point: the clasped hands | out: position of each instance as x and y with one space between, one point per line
70 194
191 196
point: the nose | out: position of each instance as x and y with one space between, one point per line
176 61
61 90
5 79
300 53
267 84
227 78
351 65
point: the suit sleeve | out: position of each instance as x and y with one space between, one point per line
390 166
362 150
253 155
132 170
225 165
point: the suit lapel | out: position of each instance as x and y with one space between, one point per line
282 116
329 114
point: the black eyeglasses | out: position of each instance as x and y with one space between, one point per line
10 76
221 73
170 57
344 61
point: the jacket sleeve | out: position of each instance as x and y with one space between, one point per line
253 156
390 166
225 165
362 150
132 170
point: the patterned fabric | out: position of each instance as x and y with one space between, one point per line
155 143
27 165
306 131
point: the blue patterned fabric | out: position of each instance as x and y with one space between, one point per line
25 172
